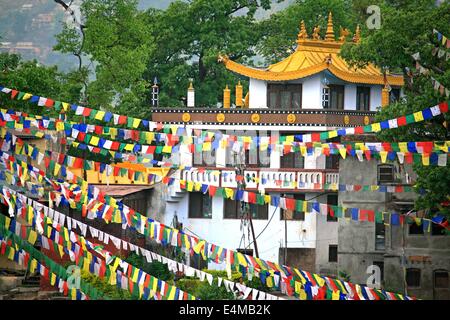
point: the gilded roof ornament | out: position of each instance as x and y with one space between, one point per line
343 34
303 34
357 36
329 36
316 33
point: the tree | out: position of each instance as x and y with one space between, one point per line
116 38
190 36
281 29
407 28
30 76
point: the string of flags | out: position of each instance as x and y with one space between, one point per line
58 220
312 286
77 247
437 86
424 152
244 141
17 250
355 149
445 41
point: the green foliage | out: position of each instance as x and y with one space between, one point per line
280 31
102 285
30 76
203 290
407 28
154 268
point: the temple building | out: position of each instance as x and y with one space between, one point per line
316 77
313 90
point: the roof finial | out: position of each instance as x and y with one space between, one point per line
357 35
303 34
330 32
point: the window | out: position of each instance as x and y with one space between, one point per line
386 173
284 96
380 264
394 95
292 160
380 231
259 212
363 98
292 214
255 158
232 210
413 277
204 159
415 229
332 161
441 279
332 253
200 205
332 200
326 98
335 95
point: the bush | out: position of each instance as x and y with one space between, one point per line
154 268
108 290
203 290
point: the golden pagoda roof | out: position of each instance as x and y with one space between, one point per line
313 56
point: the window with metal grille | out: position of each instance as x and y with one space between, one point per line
386 173
441 279
413 277
292 214
332 253
326 98
394 95
332 161
231 209
380 231
200 205
363 98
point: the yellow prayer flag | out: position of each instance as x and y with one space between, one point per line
52 279
172 293
332 134
383 156
60 126
100 115
376 127
418 116
241 259
136 122
11 254
73 292
167 149
335 295
32 237
403 146
343 152
65 106
425 159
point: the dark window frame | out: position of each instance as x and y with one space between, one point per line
380 174
333 254
435 272
413 275
337 89
277 89
201 205
365 93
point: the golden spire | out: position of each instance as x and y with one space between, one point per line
303 33
357 35
330 32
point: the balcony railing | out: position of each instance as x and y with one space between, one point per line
265 178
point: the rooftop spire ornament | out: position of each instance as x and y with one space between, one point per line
330 32
357 36
303 34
